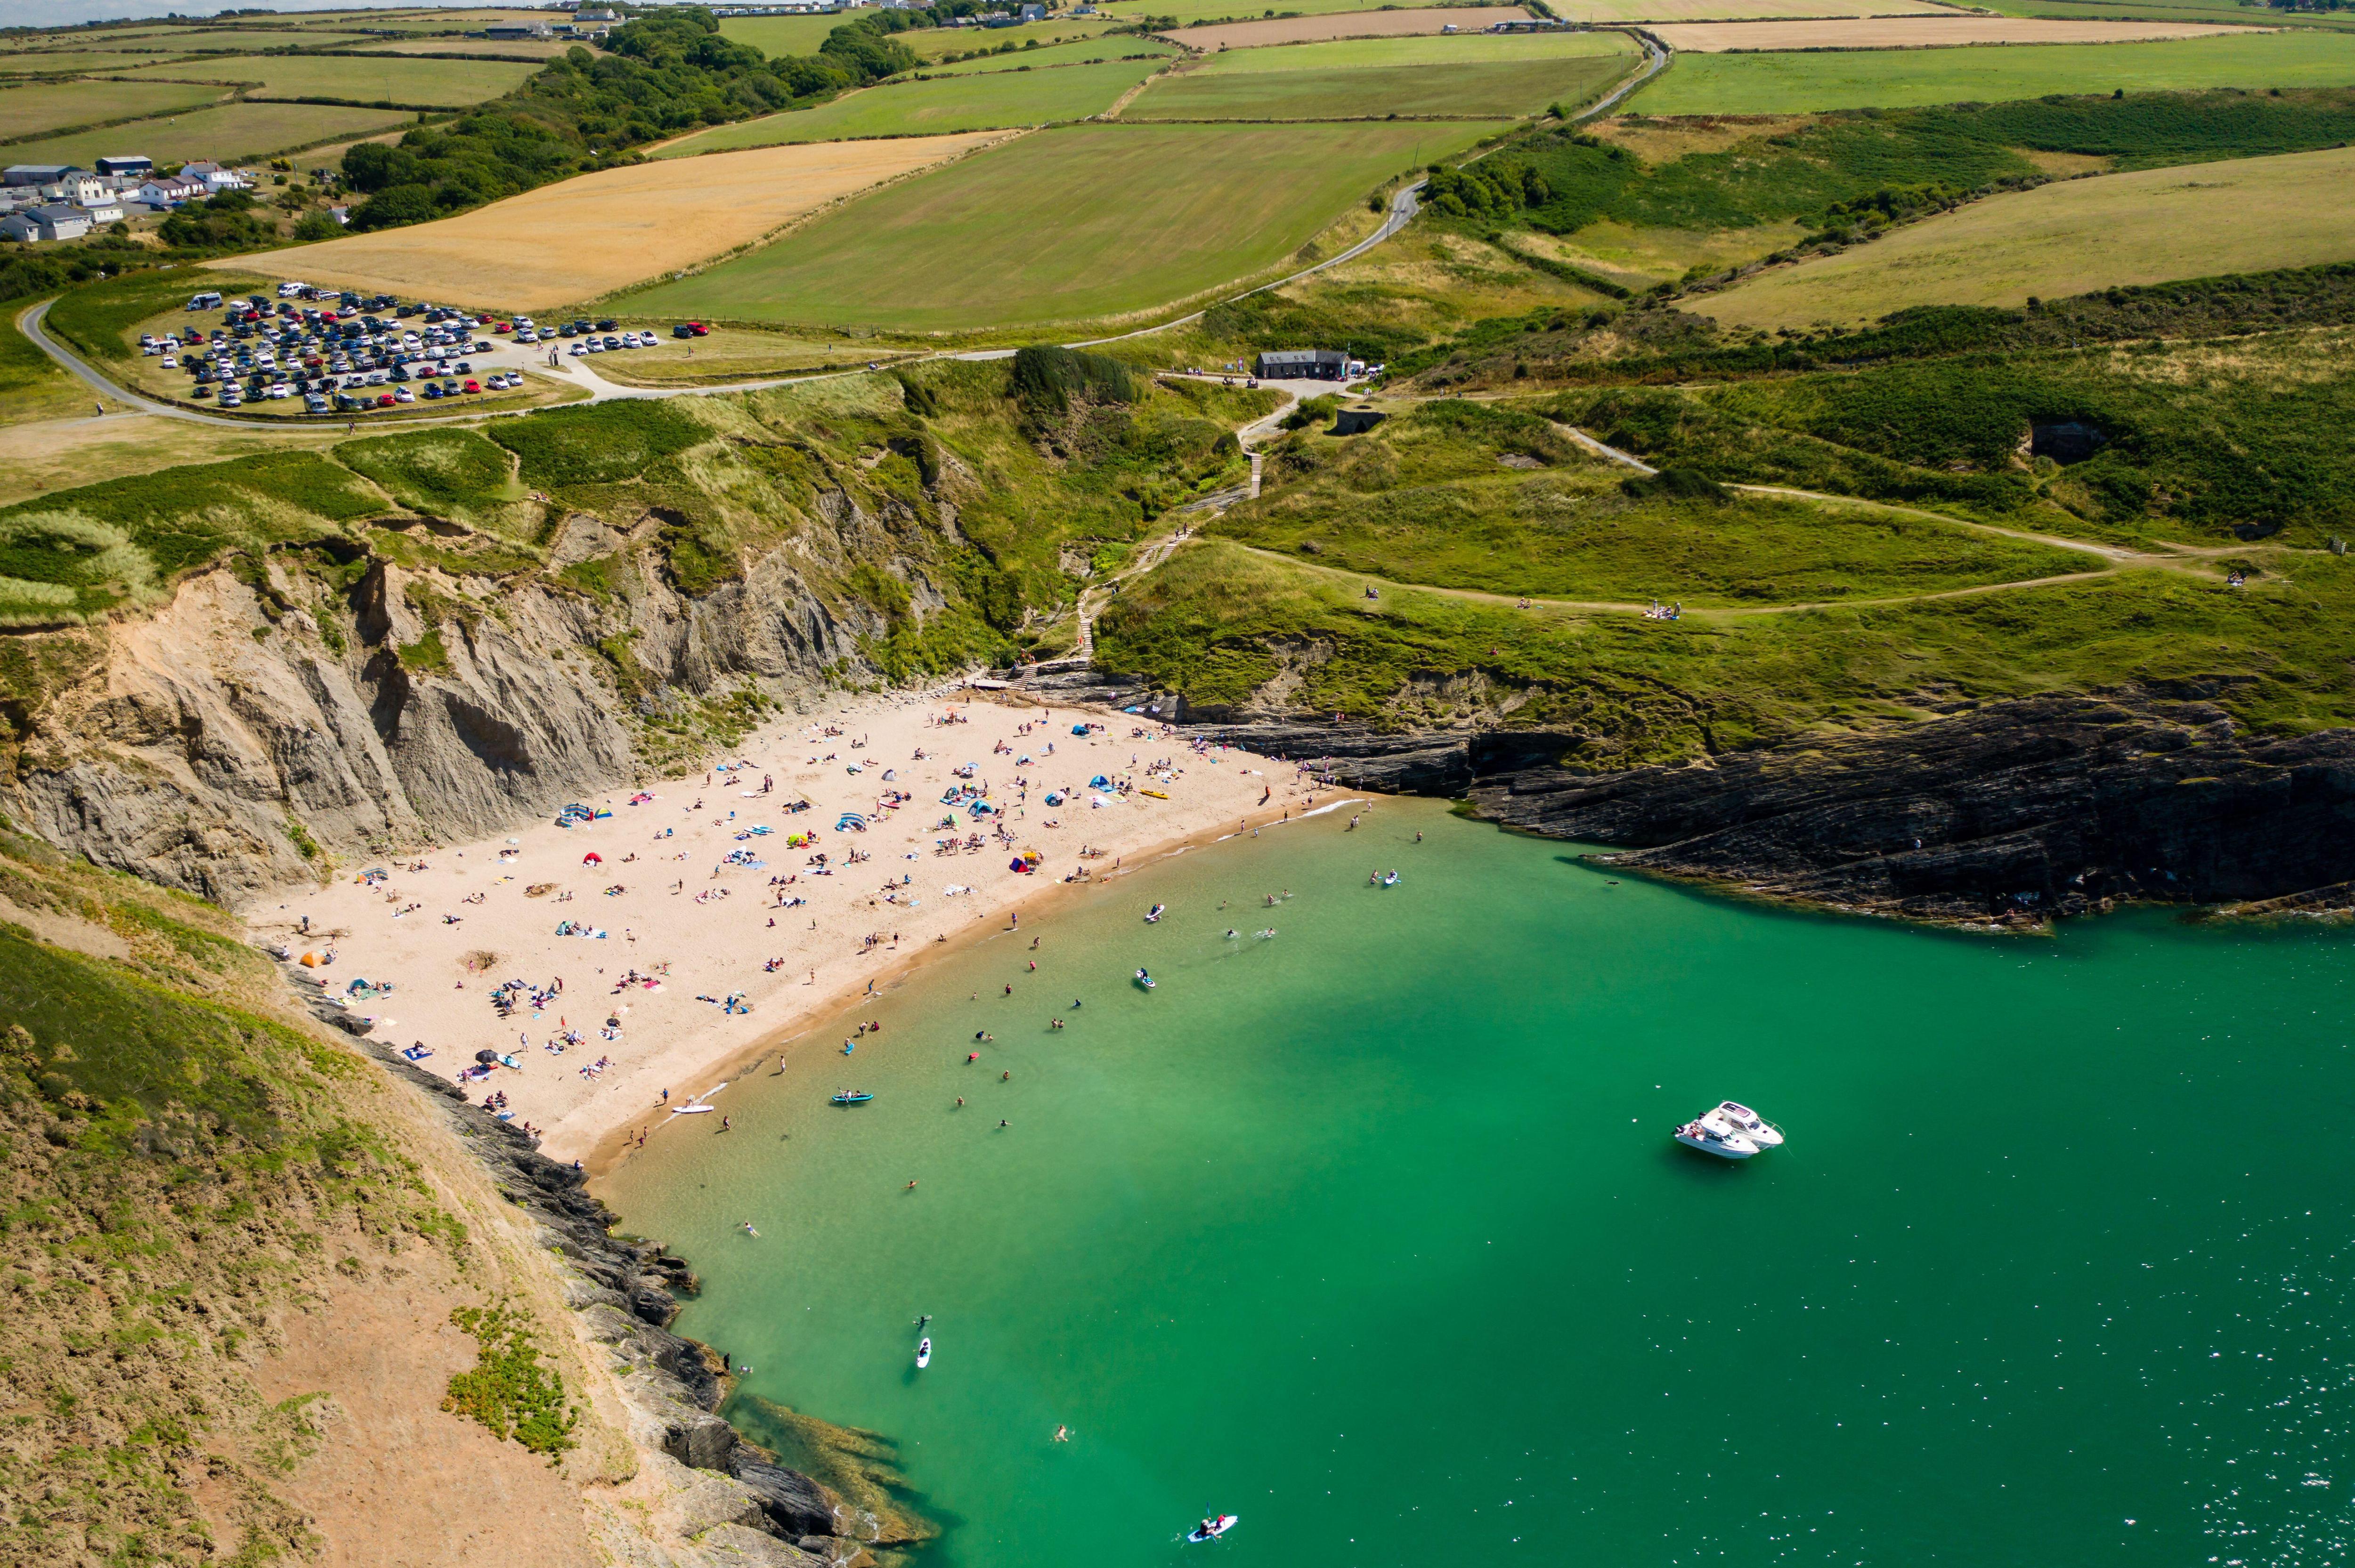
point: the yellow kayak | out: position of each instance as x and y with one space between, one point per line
1153 793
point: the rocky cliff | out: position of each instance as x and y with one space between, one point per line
2041 806
2014 811
216 745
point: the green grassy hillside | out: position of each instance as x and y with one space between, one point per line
1064 225
184 1164
1459 494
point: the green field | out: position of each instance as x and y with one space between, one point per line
1355 85
782 34
2149 227
438 84
2166 11
1188 11
803 35
1066 225
1459 48
939 43
1793 83
934 108
57 62
1078 53
41 106
1490 92
231 132
236 40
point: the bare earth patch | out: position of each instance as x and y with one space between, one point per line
395 1481
580 238
1919 33
1341 25
1665 141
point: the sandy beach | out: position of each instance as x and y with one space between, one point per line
668 938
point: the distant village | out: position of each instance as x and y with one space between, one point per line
62 201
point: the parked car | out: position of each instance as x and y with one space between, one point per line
404 396
682 330
473 386
384 399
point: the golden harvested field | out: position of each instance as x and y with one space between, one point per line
1342 24
2199 220
578 239
1916 33
1737 10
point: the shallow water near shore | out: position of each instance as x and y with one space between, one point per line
1373 1233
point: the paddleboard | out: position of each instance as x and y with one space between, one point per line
924 1355
1225 1522
691 1110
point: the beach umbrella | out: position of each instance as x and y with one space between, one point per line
593 858
486 1057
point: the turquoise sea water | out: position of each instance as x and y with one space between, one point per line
1373 1233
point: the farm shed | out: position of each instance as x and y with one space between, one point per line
1301 363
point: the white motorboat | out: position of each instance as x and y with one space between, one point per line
1711 1134
1749 1123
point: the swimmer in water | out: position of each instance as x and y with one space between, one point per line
1230 936
1062 1434
748 1230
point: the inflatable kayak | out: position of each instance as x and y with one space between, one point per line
846 1098
1212 1530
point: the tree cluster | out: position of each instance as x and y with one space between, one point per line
1485 189
667 72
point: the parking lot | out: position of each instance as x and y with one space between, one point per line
326 352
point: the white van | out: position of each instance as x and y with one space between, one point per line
208 300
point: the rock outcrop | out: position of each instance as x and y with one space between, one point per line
2041 806
726 1499
2015 811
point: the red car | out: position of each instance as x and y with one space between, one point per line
473 386
384 399
699 329
503 326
